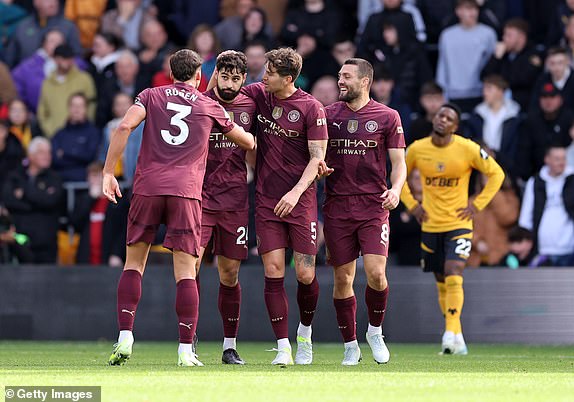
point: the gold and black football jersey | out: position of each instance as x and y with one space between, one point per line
445 174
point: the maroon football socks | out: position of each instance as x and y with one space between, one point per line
307 297
229 303
277 306
129 294
376 305
346 315
187 309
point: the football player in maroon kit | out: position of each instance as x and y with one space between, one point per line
225 205
356 209
291 141
167 189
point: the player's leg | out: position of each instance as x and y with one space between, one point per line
346 309
277 303
183 236
307 299
144 217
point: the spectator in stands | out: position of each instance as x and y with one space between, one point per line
57 88
393 13
105 52
126 166
87 15
31 30
255 28
155 46
406 233
491 225
560 74
126 80
431 99
125 21
33 196
567 40
314 65
559 22
521 248
75 146
548 204
186 15
383 90
7 89
460 64
22 126
516 61
539 15
314 19
31 72
548 125
14 247
255 52
10 17
230 30
205 42
326 90
100 223
163 77
495 122
11 152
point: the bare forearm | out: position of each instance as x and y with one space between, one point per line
118 143
308 176
398 176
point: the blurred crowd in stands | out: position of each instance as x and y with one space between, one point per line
69 69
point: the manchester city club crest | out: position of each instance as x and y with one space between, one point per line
231 115
244 117
293 116
277 112
352 126
371 126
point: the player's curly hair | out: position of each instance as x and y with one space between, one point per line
230 61
184 63
286 61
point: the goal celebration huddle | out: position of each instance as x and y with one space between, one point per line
191 175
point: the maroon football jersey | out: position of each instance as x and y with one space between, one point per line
225 183
358 144
283 128
175 140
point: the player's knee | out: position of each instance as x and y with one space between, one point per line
229 277
305 276
343 280
274 270
377 280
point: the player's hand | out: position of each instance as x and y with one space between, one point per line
111 188
467 213
286 204
419 213
324 170
391 199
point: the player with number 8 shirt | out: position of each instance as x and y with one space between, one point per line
356 209
167 189
445 161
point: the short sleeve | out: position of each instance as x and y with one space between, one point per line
222 118
395 136
142 98
316 122
253 90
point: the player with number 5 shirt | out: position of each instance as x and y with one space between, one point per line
356 210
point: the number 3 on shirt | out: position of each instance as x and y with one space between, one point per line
177 120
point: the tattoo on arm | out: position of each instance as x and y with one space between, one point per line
304 260
316 151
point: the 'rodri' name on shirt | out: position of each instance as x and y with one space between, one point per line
182 94
273 128
221 141
347 146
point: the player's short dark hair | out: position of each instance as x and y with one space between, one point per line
184 64
453 107
431 88
556 50
496 80
472 3
286 61
518 234
519 24
232 60
365 69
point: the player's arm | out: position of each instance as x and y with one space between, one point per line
413 206
133 117
317 150
489 167
392 196
242 138
251 156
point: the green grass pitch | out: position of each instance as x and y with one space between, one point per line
415 373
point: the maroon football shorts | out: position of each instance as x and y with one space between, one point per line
229 229
180 215
298 230
355 224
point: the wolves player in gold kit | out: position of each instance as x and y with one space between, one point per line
445 161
